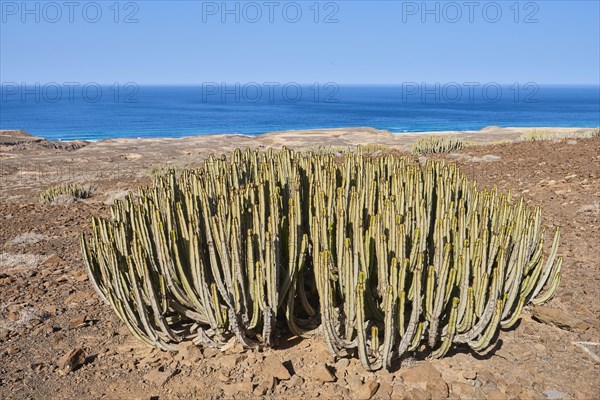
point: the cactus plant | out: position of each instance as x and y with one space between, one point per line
72 191
377 255
537 135
437 144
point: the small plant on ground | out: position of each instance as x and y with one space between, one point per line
534 135
437 144
158 171
538 135
65 192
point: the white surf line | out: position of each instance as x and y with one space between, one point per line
583 345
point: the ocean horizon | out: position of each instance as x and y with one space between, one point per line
68 111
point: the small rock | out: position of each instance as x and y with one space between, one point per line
366 391
149 360
50 309
321 373
193 353
554 394
71 361
80 276
273 367
491 157
57 338
259 357
496 395
181 352
332 392
529 395
75 297
235 388
502 353
53 259
578 394
486 377
486 158
426 377
399 389
6 280
569 177
78 322
517 386
232 347
295 380
559 318
469 375
37 366
539 347
13 315
418 394
260 390
594 208
11 351
464 391
133 345
229 361
353 380
342 363
383 376
222 377
268 381
210 352
159 377
385 391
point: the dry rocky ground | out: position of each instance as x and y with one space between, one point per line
59 341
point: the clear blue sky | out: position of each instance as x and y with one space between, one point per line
370 43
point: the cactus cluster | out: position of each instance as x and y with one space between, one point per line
437 144
68 190
379 256
537 135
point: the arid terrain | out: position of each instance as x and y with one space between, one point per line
59 341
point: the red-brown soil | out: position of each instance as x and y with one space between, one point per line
48 306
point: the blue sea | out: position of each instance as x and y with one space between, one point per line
67 111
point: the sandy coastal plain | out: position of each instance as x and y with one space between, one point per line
48 308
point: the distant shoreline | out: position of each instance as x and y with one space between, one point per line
32 163
21 134
182 112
